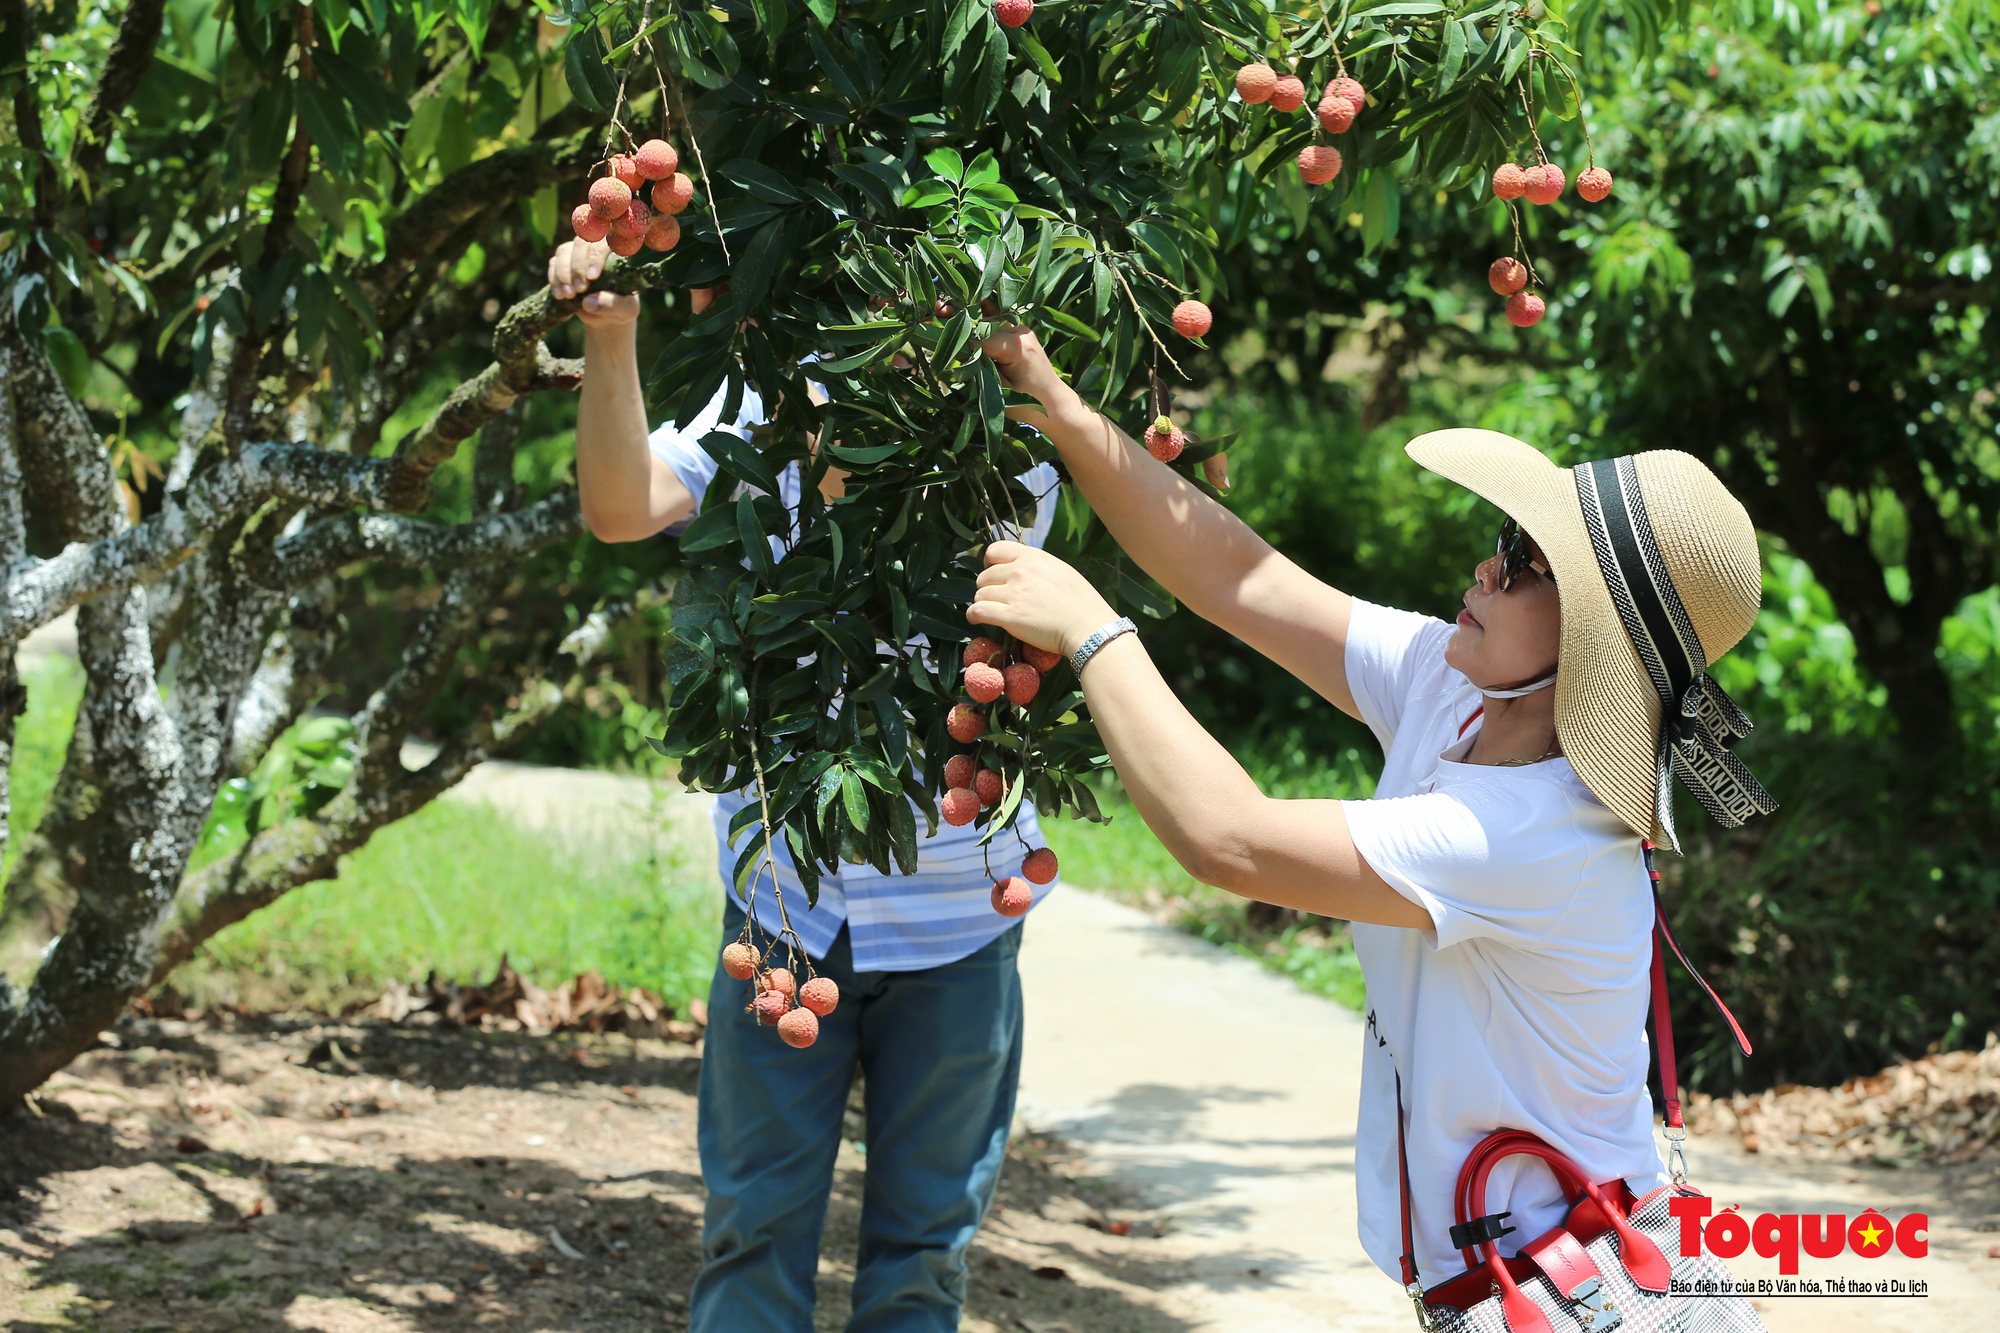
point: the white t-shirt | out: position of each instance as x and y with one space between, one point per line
1525 1006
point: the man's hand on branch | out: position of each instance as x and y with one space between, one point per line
573 267
1017 354
1037 598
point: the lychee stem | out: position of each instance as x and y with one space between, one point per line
1528 109
1590 152
687 132
1520 246
618 103
1145 323
1339 65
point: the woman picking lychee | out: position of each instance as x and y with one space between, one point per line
1498 882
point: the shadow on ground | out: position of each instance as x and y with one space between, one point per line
356 1179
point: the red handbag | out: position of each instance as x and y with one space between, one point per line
1614 1261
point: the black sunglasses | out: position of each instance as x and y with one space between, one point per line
1517 556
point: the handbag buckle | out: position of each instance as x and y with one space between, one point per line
1466 1235
1416 1295
1677 1162
1599 1314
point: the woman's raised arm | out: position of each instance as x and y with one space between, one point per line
1202 553
1190 790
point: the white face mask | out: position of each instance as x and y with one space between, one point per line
1532 687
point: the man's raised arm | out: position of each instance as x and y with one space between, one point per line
627 492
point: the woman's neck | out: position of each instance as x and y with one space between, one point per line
1516 731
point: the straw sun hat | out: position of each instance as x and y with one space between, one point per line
1658 572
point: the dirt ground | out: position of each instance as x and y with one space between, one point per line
212 1177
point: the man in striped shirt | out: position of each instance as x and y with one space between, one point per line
930 1008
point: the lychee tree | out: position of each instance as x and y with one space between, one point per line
883 185
264 225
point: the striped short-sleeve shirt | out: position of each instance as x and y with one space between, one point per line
896 922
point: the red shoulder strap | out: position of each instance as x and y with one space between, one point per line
1663 1020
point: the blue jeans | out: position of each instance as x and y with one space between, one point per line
940 1050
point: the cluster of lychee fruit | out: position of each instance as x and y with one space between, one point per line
778 1000
1539 183
1342 100
615 210
972 786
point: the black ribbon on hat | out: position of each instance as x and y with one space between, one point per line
1698 722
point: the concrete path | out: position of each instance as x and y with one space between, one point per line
1222 1091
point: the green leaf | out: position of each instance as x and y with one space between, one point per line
756 265
854 800
946 162
760 180
962 18
1008 805
1381 209
586 71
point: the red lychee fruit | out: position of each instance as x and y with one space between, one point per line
965 724
636 218
959 771
626 246
1319 163
1525 309
771 1006
1545 183
959 806
663 232
1594 184
1509 181
656 159
583 220
1022 683
627 171
984 682
1192 319
1350 91
672 194
1012 896
1043 660
609 197
1165 440
820 995
1255 82
982 649
989 787
779 979
1013 13
739 960
1039 866
1288 94
1507 275
1336 114
799 1028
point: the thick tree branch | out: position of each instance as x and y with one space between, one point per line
34 594
522 364
67 472
131 55
325 546
286 676
281 858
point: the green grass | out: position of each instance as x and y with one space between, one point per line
1123 860
453 888
55 686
